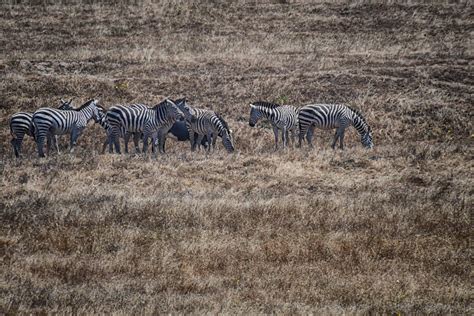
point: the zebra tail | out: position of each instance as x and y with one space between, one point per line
35 129
11 129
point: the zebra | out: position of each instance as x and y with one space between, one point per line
282 117
152 122
206 123
21 123
329 116
123 133
48 121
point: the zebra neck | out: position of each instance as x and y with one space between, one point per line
359 124
161 114
266 112
86 113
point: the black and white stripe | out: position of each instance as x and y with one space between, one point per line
151 122
282 117
48 121
21 123
330 116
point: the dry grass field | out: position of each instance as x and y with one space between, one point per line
383 231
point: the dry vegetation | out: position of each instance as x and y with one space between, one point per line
300 231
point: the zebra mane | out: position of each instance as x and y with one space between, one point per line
265 104
162 103
359 115
179 100
85 105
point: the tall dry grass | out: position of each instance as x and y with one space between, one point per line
295 231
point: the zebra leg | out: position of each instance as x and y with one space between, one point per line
126 138
161 140
284 137
104 146
136 142
154 143
336 136
48 145
76 132
199 140
16 150
341 140
39 144
56 143
145 142
116 143
293 137
191 140
309 136
209 136
275 131
16 143
214 139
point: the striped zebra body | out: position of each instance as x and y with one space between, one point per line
333 116
206 123
48 122
122 133
21 123
282 117
209 124
152 122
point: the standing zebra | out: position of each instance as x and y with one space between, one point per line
149 121
206 123
123 133
48 121
282 117
329 116
21 123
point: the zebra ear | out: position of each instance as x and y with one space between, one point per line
62 101
251 105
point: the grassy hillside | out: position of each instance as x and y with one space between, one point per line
292 231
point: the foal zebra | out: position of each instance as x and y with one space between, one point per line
21 123
149 121
206 123
48 121
282 117
329 116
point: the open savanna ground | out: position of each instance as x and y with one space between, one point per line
386 230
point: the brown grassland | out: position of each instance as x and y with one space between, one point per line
326 231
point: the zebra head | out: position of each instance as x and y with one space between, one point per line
188 111
366 139
66 105
226 134
255 115
173 111
102 114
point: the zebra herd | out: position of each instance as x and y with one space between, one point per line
200 126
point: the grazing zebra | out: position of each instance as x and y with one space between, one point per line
152 122
21 123
329 116
206 123
123 133
282 117
48 121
